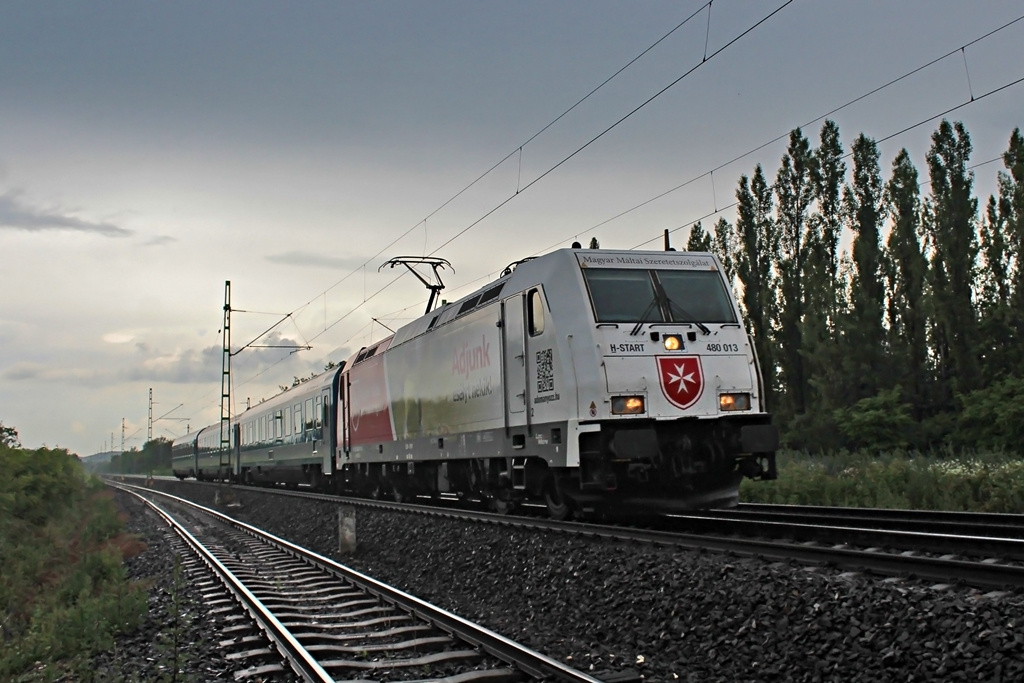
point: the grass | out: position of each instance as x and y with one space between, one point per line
977 482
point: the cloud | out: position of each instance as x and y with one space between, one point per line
317 260
15 215
158 240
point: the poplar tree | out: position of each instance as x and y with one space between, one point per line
864 332
723 243
698 240
905 267
953 241
757 246
820 340
996 351
1011 202
828 175
794 193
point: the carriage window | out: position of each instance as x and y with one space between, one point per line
318 415
536 313
287 421
309 414
297 418
278 424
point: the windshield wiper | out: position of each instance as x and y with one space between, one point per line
643 317
673 306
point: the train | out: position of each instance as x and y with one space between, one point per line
582 380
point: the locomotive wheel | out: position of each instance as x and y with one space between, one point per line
559 507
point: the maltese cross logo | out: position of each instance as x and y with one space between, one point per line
682 380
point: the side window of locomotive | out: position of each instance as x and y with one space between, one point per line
622 295
697 295
536 313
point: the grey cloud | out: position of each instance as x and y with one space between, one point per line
317 260
23 371
158 240
15 215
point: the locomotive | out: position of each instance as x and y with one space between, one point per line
583 380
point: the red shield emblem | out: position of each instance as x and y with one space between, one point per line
682 380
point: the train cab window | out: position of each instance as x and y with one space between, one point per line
536 313
297 419
622 295
697 295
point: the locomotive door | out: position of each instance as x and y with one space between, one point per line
514 360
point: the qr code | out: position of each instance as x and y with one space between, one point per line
545 372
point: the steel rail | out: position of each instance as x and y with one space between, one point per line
301 661
531 662
869 559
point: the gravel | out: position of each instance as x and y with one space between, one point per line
666 615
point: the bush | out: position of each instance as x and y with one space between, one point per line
63 592
945 480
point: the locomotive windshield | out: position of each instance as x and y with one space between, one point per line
620 295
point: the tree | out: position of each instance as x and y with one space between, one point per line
996 349
698 239
864 333
9 437
757 246
952 238
824 293
827 175
723 244
794 193
1011 203
905 267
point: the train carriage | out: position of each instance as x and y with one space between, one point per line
290 438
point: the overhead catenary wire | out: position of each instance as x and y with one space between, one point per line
517 150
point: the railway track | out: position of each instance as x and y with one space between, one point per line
838 538
325 622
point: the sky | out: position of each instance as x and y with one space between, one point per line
150 152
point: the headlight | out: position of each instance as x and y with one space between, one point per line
627 405
673 342
733 402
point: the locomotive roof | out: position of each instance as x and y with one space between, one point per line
561 265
